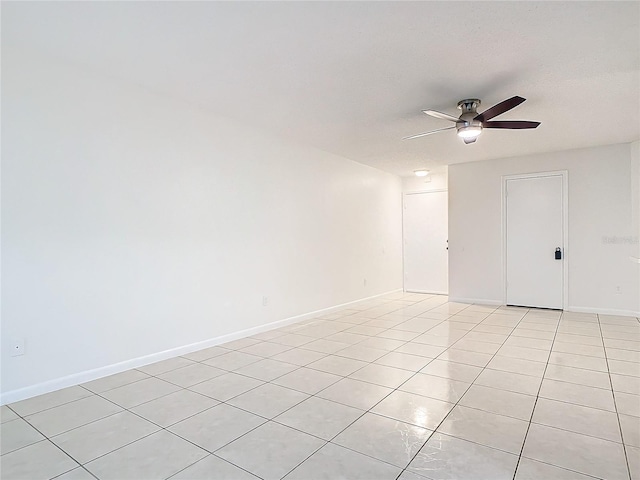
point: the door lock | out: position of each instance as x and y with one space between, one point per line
558 254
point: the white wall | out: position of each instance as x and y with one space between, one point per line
437 180
134 224
602 237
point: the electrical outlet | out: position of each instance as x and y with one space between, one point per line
265 301
364 282
17 347
618 290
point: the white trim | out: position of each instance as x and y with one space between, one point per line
477 301
417 192
603 311
88 375
425 291
565 229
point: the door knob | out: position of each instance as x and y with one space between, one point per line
558 254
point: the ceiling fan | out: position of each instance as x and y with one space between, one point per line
471 123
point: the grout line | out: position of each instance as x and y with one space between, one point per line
615 405
535 403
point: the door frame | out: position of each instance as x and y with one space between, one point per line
404 207
565 229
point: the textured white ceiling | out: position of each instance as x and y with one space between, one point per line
352 78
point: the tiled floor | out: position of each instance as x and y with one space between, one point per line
405 387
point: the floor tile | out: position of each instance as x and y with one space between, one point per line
382 375
578 361
415 409
361 353
421 349
480 427
293 340
633 456
580 339
625 355
307 380
625 384
529 343
191 374
398 335
578 419
271 450
501 402
206 354
267 369
630 430
103 436
577 349
226 386
17 434
513 382
174 407
240 343
40 461
232 360
533 470
298 356
71 415
266 349
590 378
439 388
319 417
577 394
517 365
7 415
624 368
333 462
49 400
157 456
466 357
140 392
382 343
113 381
404 361
384 438
628 404
268 400
217 426
213 468
525 353
165 365
354 393
581 453
476 346
452 370
79 473
325 346
337 365
445 457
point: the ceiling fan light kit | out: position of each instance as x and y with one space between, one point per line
470 123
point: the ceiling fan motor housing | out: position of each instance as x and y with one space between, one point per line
466 122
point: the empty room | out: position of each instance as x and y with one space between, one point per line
320 240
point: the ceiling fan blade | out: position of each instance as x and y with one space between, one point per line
515 125
443 116
500 108
469 140
427 133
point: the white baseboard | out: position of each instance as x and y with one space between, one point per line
426 291
88 375
603 311
477 301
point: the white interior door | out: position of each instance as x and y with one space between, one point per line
425 231
534 230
